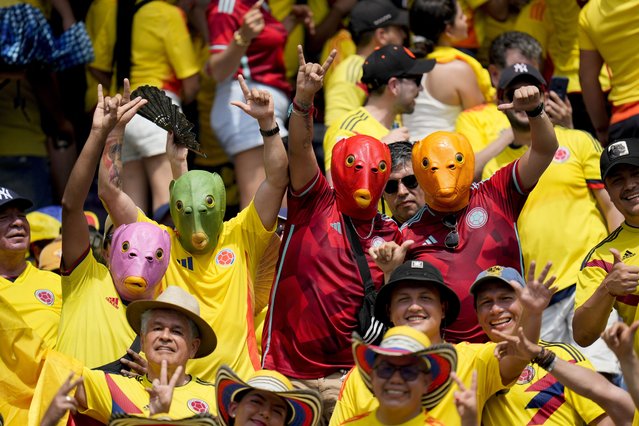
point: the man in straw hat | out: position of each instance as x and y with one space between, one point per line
267 397
407 374
417 296
558 386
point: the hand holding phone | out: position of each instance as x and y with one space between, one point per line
559 85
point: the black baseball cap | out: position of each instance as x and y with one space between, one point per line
369 15
621 151
392 61
517 72
9 197
417 271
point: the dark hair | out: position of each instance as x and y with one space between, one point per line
378 91
401 153
428 18
362 39
527 45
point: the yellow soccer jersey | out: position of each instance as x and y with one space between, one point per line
223 284
357 122
370 418
481 125
610 27
598 264
355 398
342 93
88 292
108 394
551 225
37 297
539 399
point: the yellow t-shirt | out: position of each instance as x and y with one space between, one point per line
223 283
598 264
161 49
341 92
36 295
481 125
610 27
89 293
108 394
355 398
357 122
20 121
551 225
370 418
538 398
100 15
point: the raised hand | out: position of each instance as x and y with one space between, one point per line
258 103
466 399
303 14
389 255
137 367
62 402
161 394
622 279
559 110
620 338
538 291
310 76
396 135
526 98
518 346
252 22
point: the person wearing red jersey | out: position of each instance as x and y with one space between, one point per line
465 228
245 39
318 289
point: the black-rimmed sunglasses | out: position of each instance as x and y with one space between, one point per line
452 239
408 372
392 186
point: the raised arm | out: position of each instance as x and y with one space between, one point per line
302 162
75 238
120 206
534 162
259 104
620 339
590 63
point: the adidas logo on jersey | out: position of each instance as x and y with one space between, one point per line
113 301
186 263
429 241
627 254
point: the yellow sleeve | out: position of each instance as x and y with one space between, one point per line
488 374
178 44
99 399
590 152
332 136
354 398
342 94
585 42
589 278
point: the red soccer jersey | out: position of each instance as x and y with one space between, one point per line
264 59
487 236
318 290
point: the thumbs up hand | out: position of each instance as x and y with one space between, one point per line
622 279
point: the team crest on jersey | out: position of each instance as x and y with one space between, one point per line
225 257
561 155
197 406
45 296
477 218
377 241
526 376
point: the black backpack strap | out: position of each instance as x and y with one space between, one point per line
115 367
362 264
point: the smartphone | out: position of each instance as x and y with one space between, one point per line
559 85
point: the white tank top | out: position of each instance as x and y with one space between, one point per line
430 115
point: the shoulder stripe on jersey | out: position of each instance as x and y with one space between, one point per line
218 47
353 71
573 351
519 189
226 6
595 143
614 234
352 120
414 219
203 382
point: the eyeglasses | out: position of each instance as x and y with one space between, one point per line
452 239
407 372
392 186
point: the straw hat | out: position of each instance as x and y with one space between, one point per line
304 405
441 359
175 299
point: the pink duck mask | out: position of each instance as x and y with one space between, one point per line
138 260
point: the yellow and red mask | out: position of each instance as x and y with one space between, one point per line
444 165
360 168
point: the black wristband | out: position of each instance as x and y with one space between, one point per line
274 131
536 112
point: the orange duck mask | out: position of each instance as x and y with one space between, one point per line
360 168
444 165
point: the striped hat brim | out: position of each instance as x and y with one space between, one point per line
304 405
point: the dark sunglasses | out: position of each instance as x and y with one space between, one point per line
407 372
452 239
392 186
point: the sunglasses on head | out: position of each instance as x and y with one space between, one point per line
392 186
407 372
452 239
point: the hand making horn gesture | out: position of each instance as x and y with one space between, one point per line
310 76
